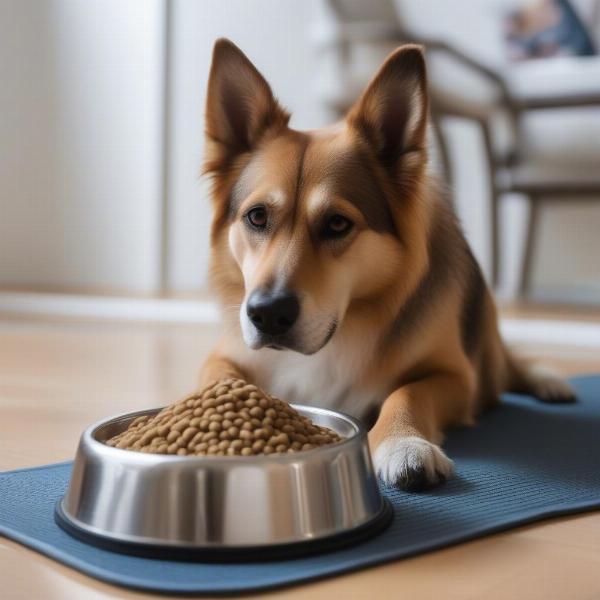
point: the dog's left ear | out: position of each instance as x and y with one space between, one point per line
391 114
240 106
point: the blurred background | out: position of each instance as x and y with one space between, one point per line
104 218
101 133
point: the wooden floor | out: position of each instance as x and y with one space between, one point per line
57 377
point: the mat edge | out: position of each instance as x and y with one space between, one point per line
136 585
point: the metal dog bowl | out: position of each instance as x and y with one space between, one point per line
211 507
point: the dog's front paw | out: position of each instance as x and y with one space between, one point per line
411 463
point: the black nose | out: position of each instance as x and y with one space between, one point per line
272 312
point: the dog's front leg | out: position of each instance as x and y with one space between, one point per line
218 367
404 439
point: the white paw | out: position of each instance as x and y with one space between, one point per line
411 463
547 386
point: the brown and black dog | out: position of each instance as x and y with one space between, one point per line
344 277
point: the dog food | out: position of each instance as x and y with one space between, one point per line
229 418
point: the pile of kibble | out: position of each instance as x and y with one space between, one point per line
229 418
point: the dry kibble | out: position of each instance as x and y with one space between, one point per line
261 433
229 418
258 446
181 425
245 434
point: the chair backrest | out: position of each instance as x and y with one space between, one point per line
473 26
352 11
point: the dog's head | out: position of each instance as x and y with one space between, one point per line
309 226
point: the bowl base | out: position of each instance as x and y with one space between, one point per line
227 554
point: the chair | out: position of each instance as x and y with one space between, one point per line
539 119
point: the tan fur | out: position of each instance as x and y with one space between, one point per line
416 339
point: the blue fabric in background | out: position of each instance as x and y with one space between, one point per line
568 35
523 462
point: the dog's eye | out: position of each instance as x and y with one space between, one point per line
257 217
337 226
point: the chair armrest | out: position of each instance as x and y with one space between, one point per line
336 34
572 101
508 99
464 59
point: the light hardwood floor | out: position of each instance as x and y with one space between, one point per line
57 377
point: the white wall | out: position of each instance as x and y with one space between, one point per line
274 34
80 143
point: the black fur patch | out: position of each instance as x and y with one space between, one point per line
450 258
445 248
473 307
352 178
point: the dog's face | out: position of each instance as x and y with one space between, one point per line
309 220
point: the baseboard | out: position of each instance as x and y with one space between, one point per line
584 295
112 308
552 332
580 334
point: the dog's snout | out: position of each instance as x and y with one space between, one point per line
272 312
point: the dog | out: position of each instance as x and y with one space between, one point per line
344 277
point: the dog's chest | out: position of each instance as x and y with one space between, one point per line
318 381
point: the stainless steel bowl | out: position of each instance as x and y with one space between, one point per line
210 506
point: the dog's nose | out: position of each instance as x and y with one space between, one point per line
272 312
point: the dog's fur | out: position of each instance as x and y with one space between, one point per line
396 323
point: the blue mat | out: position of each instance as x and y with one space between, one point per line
524 462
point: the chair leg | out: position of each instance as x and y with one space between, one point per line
495 237
495 195
530 242
442 143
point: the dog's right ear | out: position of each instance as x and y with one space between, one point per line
240 107
391 114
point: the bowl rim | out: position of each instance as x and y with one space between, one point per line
100 448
